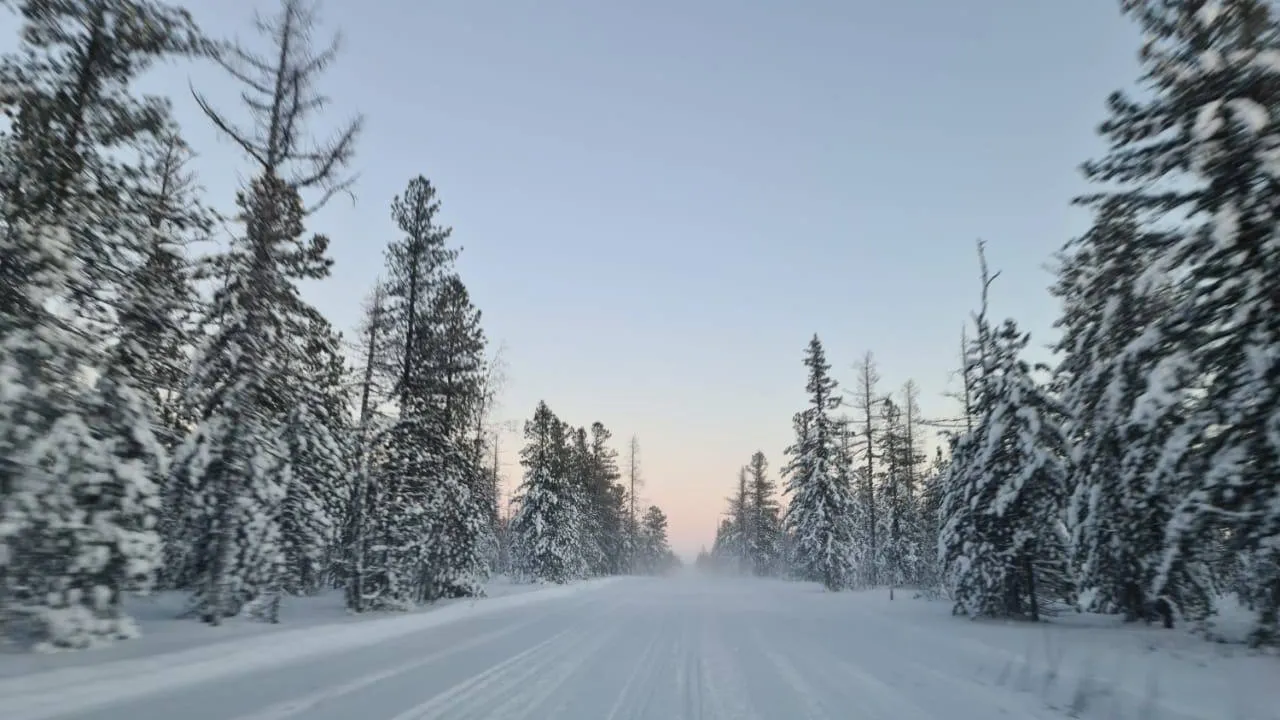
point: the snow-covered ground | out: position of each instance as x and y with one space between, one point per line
165 631
664 649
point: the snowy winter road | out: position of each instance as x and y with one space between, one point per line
652 649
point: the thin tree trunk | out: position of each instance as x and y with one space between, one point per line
867 387
1031 587
355 588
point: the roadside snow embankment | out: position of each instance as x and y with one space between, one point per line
118 680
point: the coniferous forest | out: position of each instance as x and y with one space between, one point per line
1139 475
174 418
179 418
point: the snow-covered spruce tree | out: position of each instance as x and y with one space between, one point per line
1007 545
920 541
960 510
77 464
738 540
429 503
546 527
930 526
1117 516
656 557
237 460
410 452
763 543
358 519
455 351
895 499
175 218
579 474
318 437
164 333
848 474
820 499
485 441
722 550
609 500
1230 326
1199 146
594 469
902 543
393 527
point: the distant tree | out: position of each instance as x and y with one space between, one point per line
546 528
764 541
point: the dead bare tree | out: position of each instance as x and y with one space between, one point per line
280 95
635 482
866 400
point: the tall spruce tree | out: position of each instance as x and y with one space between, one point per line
1116 515
318 438
895 500
1007 546
432 484
456 355
237 461
609 499
1197 146
820 499
579 474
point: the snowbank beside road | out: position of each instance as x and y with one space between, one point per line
113 681
1084 665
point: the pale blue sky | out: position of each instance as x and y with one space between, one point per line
662 201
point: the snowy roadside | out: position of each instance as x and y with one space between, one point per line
1087 665
174 652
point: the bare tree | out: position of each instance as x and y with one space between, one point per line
635 482
866 401
983 360
910 435
280 94
488 432
966 378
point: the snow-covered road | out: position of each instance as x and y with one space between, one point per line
653 649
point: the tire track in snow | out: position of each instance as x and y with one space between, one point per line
630 704
807 695
688 684
552 675
496 683
721 670
298 705
868 695
804 691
